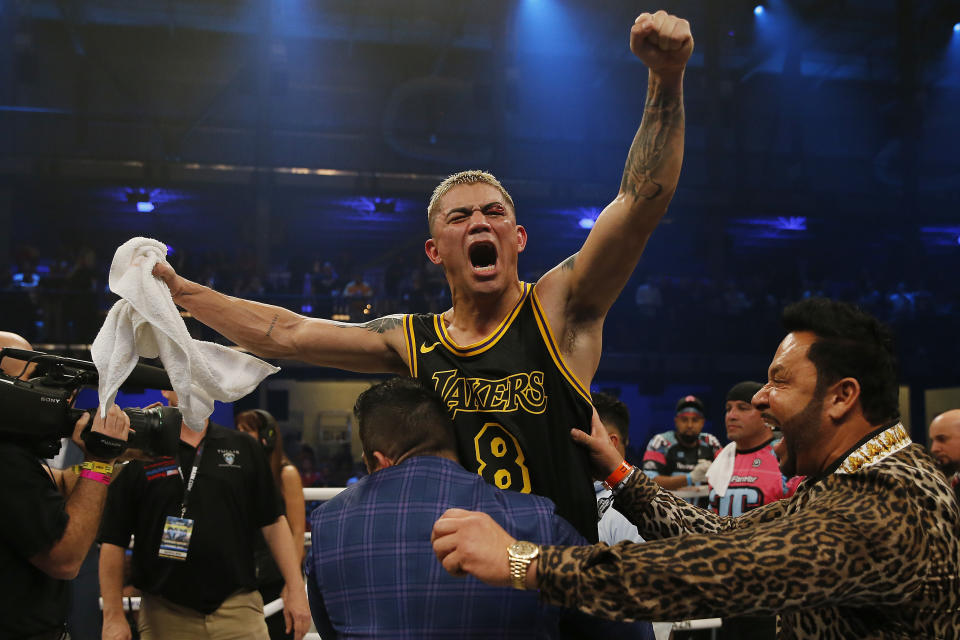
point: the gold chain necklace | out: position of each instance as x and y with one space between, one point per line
876 448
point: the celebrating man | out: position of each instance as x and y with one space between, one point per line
513 361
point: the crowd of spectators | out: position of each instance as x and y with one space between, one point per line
61 297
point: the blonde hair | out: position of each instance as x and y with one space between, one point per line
473 176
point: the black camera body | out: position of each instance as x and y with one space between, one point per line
38 412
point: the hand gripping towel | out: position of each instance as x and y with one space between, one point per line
146 323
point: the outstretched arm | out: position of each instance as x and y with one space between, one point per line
580 291
275 332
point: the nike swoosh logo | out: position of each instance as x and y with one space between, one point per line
425 349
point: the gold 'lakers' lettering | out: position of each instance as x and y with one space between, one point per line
520 391
501 458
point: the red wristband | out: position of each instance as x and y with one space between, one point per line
618 475
102 478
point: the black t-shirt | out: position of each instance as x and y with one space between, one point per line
666 456
233 496
513 402
34 518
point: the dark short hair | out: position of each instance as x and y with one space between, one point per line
613 413
850 343
743 391
401 417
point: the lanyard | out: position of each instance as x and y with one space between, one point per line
193 476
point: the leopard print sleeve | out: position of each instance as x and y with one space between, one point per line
657 513
817 554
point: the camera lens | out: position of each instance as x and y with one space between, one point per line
155 431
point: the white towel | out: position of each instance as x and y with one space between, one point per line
146 323
720 472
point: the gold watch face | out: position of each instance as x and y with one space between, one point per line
524 550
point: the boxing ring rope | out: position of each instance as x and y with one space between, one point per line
311 494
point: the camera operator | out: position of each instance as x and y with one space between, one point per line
50 519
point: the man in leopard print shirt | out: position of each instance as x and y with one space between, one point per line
868 547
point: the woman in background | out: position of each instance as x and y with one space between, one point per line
263 427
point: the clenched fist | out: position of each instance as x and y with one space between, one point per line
662 42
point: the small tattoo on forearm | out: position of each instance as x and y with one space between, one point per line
273 323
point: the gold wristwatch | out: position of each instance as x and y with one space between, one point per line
521 554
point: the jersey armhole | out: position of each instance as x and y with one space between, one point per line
550 341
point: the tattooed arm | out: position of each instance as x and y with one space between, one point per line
275 332
577 294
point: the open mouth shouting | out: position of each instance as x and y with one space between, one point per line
483 257
770 421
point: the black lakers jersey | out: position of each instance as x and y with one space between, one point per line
513 401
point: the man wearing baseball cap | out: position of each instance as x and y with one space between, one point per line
681 457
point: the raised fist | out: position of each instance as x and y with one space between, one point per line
662 42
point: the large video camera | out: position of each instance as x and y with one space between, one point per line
38 412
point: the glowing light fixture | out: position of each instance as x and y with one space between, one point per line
758 10
586 223
142 199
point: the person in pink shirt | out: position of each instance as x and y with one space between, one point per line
755 481
756 478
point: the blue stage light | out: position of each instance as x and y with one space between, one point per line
956 28
145 207
586 223
758 10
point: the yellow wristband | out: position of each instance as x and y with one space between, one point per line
98 467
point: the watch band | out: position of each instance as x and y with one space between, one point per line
521 554
518 572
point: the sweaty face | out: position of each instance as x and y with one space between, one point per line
945 442
744 424
688 426
789 401
476 238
